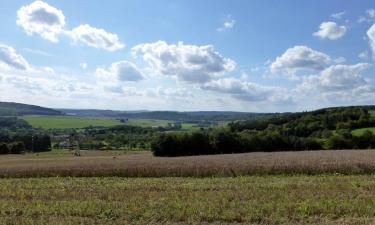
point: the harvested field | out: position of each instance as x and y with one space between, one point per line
143 164
300 199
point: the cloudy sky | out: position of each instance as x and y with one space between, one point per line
259 56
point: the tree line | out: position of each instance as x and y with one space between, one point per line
321 129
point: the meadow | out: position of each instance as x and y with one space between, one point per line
66 122
300 199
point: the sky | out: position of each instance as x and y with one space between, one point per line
188 55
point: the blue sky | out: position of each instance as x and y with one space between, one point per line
257 56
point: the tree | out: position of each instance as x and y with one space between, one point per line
4 149
17 148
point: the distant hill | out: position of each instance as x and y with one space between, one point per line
167 115
18 109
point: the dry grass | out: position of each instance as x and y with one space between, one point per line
143 164
232 200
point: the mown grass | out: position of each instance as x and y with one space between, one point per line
241 200
66 122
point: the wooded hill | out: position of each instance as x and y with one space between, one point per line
18 109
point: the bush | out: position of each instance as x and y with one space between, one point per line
16 148
4 149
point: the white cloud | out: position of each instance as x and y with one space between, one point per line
96 37
368 17
363 55
330 30
336 78
48 70
41 18
49 22
370 13
338 15
83 65
300 58
244 90
371 38
120 71
228 23
9 56
191 63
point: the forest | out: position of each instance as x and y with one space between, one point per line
328 128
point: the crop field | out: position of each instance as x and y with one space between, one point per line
148 122
143 164
65 122
118 187
301 199
159 123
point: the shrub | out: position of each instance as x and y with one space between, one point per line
4 149
16 148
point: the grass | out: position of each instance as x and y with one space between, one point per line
299 199
66 122
160 123
360 131
143 164
148 122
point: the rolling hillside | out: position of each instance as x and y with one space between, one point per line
18 109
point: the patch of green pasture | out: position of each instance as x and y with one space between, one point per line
148 122
66 122
360 131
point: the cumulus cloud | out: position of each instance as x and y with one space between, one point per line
49 22
191 63
244 90
9 56
300 58
338 15
336 78
371 38
120 71
330 30
41 18
96 37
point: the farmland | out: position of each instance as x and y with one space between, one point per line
301 199
119 187
65 122
143 164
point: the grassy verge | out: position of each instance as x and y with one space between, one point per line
241 200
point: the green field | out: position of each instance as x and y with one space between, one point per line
148 122
298 199
65 122
158 123
358 132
